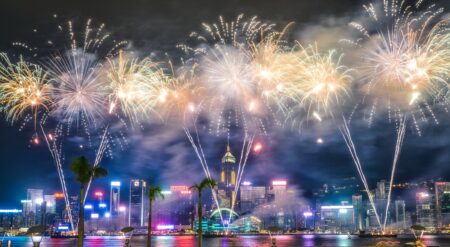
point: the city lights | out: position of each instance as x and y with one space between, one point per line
88 206
58 195
279 183
98 194
165 227
307 214
10 211
94 216
115 183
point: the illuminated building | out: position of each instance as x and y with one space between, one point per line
74 207
137 203
184 205
227 183
227 179
442 190
337 219
400 214
425 210
251 197
358 208
10 218
114 198
34 215
50 203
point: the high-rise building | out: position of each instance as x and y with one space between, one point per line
136 205
400 214
36 197
358 210
425 210
114 198
442 190
226 189
251 196
337 218
50 203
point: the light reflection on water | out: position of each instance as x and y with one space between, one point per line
241 241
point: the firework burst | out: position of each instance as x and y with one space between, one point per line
137 86
24 88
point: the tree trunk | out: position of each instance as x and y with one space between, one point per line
81 218
200 219
149 224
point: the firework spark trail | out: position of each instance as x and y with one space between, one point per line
245 152
345 132
98 157
398 148
201 156
56 155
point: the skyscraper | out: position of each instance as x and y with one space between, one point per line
36 197
358 209
114 198
442 190
227 182
137 199
425 210
400 214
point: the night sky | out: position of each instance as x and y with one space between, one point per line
161 154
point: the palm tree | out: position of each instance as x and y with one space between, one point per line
207 182
153 193
84 172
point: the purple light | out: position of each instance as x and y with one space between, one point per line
307 214
165 227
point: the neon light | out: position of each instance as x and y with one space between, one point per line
115 183
98 194
279 182
165 227
63 228
94 216
39 201
246 183
122 209
186 192
102 205
166 192
88 206
337 207
107 215
10 211
58 195
307 214
25 201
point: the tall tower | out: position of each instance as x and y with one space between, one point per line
114 198
136 206
227 179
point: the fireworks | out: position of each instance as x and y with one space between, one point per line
79 92
24 87
322 81
407 58
137 86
